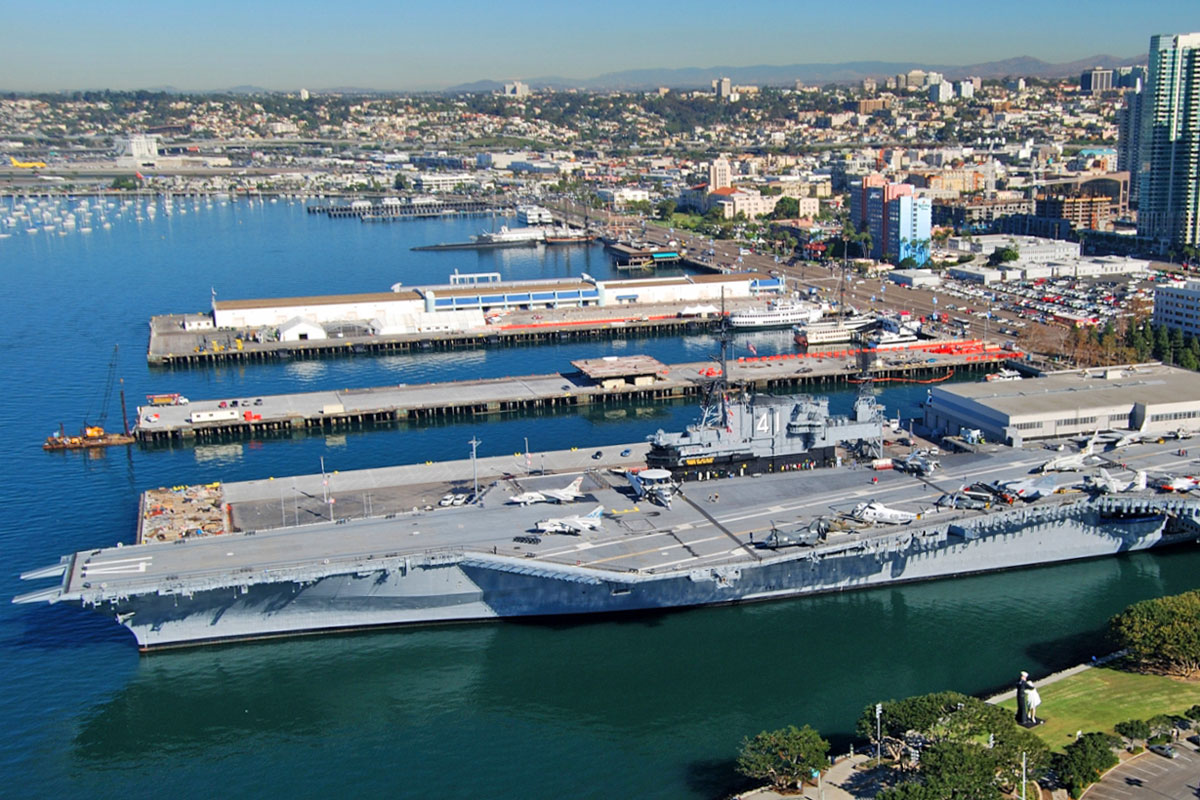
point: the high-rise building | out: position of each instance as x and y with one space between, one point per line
719 175
1169 169
1096 80
722 87
1129 137
909 229
858 198
516 89
1129 77
899 222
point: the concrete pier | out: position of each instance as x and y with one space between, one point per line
172 345
205 420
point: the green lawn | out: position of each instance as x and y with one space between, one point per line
1097 699
678 220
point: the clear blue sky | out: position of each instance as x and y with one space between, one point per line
212 44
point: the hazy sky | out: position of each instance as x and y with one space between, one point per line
213 44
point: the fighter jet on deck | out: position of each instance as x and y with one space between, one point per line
1074 461
567 494
591 521
1105 483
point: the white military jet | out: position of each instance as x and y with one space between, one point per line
591 521
1073 461
1169 483
1032 488
1105 483
876 512
567 494
1135 437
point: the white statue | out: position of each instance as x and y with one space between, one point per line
1032 701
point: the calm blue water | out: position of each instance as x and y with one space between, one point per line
648 706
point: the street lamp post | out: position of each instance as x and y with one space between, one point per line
878 734
474 468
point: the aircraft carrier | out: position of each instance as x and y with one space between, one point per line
485 560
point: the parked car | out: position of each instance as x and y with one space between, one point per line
446 500
626 453
1164 750
597 455
459 499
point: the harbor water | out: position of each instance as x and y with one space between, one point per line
643 706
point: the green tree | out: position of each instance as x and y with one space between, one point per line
909 790
1003 255
1084 760
785 757
1176 345
1133 729
1162 342
1161 724
400 184
665 208
1187 360
1162 633
785 208
960 771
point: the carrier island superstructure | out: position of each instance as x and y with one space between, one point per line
485 560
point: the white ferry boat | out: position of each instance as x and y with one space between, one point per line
889 340
777 314
507 235
831 331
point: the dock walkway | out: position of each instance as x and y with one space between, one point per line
347 408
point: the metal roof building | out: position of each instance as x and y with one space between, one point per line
1162 398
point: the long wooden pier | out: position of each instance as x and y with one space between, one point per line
171 345
246 416
384 212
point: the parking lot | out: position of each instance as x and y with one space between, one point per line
1150 775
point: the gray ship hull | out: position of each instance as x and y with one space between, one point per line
462 586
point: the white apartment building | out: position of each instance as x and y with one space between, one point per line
1178 306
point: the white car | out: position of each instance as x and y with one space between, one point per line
459 499
446 500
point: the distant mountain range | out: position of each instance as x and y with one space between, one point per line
812 74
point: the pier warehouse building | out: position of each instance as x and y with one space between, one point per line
1071 403
464 305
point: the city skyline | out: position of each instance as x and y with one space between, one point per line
375 45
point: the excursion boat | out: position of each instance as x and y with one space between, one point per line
777 314
890 340
830 332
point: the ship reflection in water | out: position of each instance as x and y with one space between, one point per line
416 698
